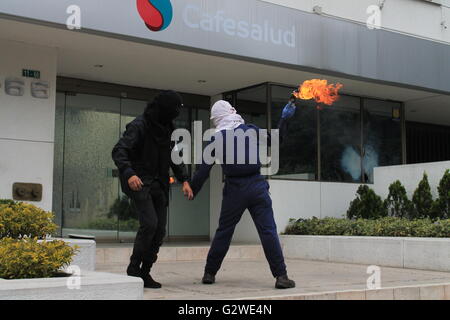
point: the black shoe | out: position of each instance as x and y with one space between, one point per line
149 283
208 278
134 271
283 282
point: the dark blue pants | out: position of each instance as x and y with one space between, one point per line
239 194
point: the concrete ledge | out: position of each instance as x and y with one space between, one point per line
425 292
121 255
86 255
427 254
93 286
414 253
379 251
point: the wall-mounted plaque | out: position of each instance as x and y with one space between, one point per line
27 191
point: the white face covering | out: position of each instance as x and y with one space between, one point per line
225 116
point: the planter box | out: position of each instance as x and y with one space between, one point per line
415 253
93 286
85 257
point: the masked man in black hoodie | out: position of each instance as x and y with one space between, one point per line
143 156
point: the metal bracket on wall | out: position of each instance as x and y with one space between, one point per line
27 191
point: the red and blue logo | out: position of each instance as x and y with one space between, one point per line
157 14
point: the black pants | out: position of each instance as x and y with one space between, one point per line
151 205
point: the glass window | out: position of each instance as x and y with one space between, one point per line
229 96
251 104
348 152
340 145
382 136
298 153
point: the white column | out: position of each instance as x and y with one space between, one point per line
27 123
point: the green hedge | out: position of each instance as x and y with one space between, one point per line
383 227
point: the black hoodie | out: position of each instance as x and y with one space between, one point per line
145 147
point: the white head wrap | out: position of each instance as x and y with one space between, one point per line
225 116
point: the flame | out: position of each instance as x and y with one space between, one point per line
171 180
319 90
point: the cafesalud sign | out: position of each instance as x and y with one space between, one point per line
258 30
158 14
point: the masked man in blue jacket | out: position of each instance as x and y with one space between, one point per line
245 188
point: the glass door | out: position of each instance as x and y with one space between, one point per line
190 219
87 197
89 190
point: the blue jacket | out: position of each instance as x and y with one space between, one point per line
234 169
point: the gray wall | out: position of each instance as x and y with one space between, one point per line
245 29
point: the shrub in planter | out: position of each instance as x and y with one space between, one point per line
367 205
318 226
387 226
22 255
441 207
28 258
383 227
422 199
18 220
441 228
7 201
397 202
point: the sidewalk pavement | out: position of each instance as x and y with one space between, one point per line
240 279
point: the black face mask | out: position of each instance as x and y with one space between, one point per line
169 105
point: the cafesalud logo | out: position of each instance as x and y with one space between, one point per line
157 14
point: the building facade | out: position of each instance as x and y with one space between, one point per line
74 73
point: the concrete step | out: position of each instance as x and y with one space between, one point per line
120 255
439 291
252 279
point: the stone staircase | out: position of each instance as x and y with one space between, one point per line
110 257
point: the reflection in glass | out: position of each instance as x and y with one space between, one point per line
340 133
298 153
251 104
382 136
89 190
190 218
183 121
